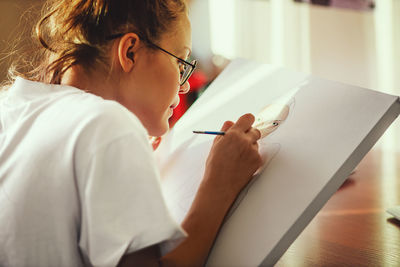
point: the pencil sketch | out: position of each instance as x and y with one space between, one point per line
181 190
272 116
268 120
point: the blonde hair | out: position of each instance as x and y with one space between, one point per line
75 32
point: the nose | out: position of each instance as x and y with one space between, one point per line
184 89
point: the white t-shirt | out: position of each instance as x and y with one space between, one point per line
78 181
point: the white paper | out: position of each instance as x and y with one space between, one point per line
327 130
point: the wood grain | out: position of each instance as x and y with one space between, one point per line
353 228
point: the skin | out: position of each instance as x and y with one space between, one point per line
148 86
150 95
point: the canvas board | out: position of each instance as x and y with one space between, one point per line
326 130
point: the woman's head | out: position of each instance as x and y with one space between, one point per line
149 76
77 31
127 41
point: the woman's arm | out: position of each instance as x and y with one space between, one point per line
232 161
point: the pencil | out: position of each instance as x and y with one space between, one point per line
209 132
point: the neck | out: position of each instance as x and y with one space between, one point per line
94 83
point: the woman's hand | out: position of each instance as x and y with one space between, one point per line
234 157
232 161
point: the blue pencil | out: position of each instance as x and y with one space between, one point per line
209 132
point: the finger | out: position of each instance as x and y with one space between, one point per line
244 122
254 134
255 145
227 125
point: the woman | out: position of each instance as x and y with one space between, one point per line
78 182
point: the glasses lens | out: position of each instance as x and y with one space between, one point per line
188 70
185 73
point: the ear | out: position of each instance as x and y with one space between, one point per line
127 48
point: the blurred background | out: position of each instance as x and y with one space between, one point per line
351 41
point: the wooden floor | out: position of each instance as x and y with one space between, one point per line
353 228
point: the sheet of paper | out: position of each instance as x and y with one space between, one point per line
326 129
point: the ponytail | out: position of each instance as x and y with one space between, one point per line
74 32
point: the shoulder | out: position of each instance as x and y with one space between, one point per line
76 104
72 117
87 120
86 112
98 122
111 114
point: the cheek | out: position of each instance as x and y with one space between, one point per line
169 83
162 83
160 70
171 76
160 86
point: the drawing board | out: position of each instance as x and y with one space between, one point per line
316 132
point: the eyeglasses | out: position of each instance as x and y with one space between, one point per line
186 68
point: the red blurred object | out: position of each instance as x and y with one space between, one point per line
197 81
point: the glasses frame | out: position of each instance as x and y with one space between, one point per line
190 66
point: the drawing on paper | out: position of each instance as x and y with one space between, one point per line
272 116
181 189
267 121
